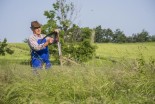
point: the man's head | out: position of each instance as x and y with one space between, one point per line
36 27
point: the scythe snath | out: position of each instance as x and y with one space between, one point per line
57 41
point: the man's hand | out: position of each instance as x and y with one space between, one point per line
50 40
57 31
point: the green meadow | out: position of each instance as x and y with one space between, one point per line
118 74
128 50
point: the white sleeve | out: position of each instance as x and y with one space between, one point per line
32 41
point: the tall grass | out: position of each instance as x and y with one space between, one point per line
123 83
112 78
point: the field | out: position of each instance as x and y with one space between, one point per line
118 74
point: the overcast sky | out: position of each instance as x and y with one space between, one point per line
131 16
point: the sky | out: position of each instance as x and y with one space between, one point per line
130 16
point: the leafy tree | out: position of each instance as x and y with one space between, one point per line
129 39
72 37
80 47
143 36
4 48
108 35
62 16
153 38
98 34
119 36
134 38
103 35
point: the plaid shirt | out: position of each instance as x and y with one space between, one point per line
33 42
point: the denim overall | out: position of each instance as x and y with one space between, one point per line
38 58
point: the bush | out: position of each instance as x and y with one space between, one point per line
76 45
4 49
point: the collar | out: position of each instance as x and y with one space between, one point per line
39 36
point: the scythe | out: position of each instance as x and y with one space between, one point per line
57 41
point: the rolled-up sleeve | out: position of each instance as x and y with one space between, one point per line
32 41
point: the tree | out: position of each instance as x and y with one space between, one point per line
129 39
143 36
98 34
72 37
119 36
103 35
108 35
4 48
80 47
153 38
62 15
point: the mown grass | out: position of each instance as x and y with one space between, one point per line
21 52
113 79
105 52
128 50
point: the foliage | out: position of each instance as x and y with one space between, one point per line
75 41
153 38
107 35
103 35
4 48
80 48
61 16
143 36
98 34
76 46
119 36
64 12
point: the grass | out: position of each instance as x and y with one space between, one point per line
21 52
103 80
128 50
78 84
105 51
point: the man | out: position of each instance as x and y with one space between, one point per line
39 47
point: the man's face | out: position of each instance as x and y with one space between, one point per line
37 31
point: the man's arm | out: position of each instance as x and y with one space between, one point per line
32 41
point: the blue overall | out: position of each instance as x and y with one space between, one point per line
38 58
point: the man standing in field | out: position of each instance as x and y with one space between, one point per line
39 47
